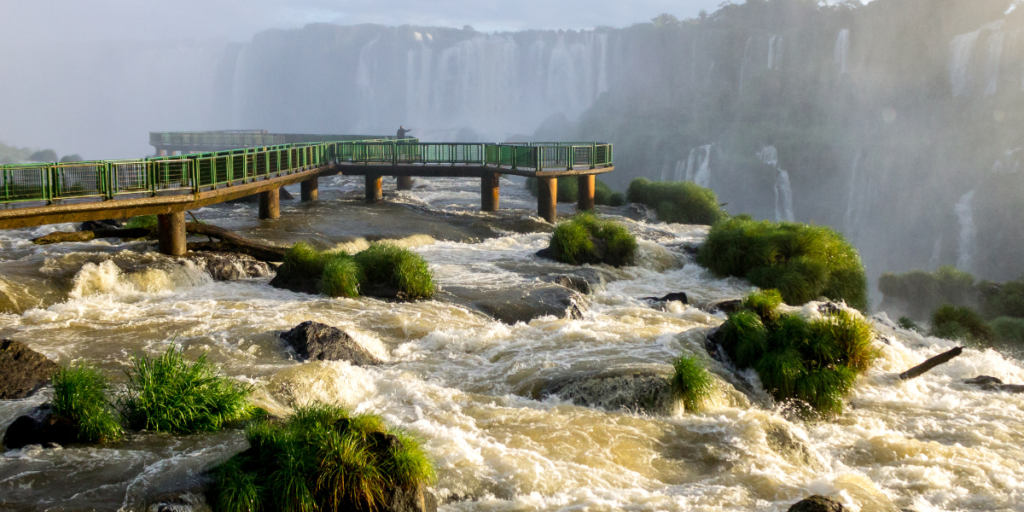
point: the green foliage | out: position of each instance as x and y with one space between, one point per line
45 155
71 158
907 323
322 458
586 239
617 199
397 267
814 363
691 383
145 221
170 394
1008 330
568 191
682 202
341 276
960 323
1005 300
802 262
919 293
79 396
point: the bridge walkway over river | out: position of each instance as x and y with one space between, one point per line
168 186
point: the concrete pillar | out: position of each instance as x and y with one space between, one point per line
171 232
374 189
404 182
489 188
311 189
547 199
270 204
161 152
586 188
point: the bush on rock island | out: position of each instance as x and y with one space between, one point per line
587 239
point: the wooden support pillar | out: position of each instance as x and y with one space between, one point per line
311 189
270 204
404 182
547 199
586 191
374 189
171 232
489 192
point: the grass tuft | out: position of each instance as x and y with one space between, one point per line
802 262
321 459
79 396
681 202
170 394
691 383
398 267
341 276
812 363
586 239
960 323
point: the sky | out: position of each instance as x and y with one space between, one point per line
33 22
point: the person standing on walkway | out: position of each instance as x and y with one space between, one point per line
402 131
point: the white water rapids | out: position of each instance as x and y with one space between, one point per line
467 384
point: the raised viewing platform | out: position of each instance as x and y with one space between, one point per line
167 186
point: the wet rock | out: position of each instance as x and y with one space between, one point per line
94 225
22 370
988 383
299 284
726 306
633 390
524 305
677 297
416 499
584 280
817 503
547 254
829 308
184 501
230 266
782 441
319 342
40 426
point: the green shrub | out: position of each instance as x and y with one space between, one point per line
691 382
919 293
1005 300
907 323
334 274
398 267
810 362
79 396
1008 330
341 276
682 202
802 262
960 323
145 222
321 458
568 191
586 239
170 394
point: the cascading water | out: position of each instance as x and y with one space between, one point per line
994 62
960 51
841 55
854 200
962 64
968 242
365 69
745 65
774 51
769 155
697 168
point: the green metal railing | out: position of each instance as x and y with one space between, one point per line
104 180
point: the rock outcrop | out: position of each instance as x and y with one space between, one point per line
320 342
817 503
230 266
22 370
988 383
40 426
515 306
635 390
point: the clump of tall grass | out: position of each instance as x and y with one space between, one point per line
80 398
681 202
813 363
691 382
802 262
587 239
322 458
171 394
568 191
397 267
960 323
333 273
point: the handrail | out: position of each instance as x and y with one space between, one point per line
194 173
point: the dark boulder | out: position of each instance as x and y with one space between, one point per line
296 283
584 280
988 383
632 390
319 342
524 305
547 253
230 266
416 499
95 225
22 370
817 503
40 426
726 306
678 297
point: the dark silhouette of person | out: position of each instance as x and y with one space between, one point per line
402 131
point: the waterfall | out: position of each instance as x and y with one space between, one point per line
774 51
852 204
968 233
698 166
936 258
744 65
842 51
995 60
783 188
961 53
365 69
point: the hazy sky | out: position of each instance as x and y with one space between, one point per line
39 21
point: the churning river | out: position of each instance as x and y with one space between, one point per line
470 386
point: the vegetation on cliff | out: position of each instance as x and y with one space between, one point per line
681 202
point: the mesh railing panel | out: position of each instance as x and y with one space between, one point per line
78 180
24 184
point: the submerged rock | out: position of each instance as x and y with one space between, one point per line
524 305
585 280
988 383
817 503
319 342
93 225
22 370
783 442
632 390
672 297
230 266
726 306
39 426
